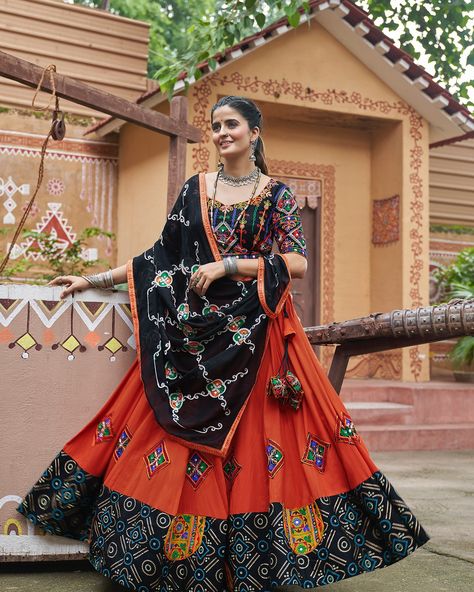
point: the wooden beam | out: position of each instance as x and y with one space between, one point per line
68 88
338 368
177 153
430 323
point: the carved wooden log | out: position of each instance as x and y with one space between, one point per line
424 324
391 330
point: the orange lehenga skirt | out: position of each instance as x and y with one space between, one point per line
297 499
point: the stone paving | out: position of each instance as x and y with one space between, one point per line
437 485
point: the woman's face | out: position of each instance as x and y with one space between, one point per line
231 133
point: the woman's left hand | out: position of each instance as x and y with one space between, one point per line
203 277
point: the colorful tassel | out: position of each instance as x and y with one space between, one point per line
285 386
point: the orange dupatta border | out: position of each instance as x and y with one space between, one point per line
133 306
261 288
211 239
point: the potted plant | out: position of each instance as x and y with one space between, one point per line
457 280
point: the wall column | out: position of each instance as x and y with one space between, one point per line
399 264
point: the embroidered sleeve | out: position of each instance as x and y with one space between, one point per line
287 225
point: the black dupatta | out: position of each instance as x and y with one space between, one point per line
199 356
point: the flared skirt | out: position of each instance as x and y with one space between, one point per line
295 500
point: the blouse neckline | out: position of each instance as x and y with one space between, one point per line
268 185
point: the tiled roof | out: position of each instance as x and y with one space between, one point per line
468 136
449 119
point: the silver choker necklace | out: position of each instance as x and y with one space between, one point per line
239 181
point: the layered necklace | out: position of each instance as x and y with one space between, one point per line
254 176
239 181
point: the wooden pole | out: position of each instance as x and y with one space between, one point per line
392 330
430 323
99 100
177 153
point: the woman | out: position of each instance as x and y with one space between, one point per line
224 460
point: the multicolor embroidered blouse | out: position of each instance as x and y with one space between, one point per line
273 214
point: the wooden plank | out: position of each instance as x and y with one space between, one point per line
68 88
177 153
15 97
85 18
338 368
21 45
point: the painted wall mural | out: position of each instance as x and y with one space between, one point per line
383 365
386 220
79 190
59 360
8 189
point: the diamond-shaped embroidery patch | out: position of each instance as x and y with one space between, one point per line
275 458
156 459
123 442
315 453
223 227
231 468
197 469
346 431
104 430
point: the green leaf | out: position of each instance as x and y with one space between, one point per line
212 63
294 19
260 19
249 4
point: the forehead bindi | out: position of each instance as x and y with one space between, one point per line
226 113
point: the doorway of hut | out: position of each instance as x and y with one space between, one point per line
306 291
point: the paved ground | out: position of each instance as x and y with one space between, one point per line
438 487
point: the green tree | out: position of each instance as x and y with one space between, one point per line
440 31
457 281
183 33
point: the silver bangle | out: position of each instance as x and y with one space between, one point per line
102 281
226 265
230 265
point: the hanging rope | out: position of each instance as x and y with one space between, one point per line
57 132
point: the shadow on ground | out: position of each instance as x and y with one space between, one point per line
437 486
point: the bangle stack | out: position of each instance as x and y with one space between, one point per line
230 265
102 280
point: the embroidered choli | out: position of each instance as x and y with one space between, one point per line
273 214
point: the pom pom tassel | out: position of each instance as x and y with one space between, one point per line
285 386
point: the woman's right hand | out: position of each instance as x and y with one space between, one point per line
74 283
